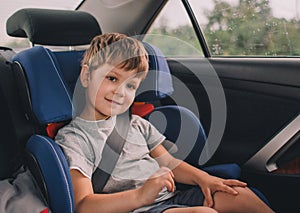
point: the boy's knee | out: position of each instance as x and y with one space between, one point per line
210 210
198 209
204 209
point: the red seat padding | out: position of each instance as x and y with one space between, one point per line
142 109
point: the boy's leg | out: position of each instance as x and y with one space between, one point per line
198 209
245 201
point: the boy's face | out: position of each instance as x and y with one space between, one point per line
109 91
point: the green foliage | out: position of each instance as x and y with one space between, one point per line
180 41
250 29
246 29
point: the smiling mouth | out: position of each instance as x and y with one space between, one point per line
114 102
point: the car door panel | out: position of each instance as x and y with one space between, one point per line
262 97
256 108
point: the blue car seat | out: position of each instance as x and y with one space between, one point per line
50 81
45 90
177 123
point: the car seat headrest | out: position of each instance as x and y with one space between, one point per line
53 27
50 97
158 83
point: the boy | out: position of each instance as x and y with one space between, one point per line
144 177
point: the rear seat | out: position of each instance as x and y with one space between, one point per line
7 53
14 127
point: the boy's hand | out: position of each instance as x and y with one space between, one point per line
211 184
163 177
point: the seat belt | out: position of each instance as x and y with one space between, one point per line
111 152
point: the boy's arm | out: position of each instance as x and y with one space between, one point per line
87 201
184 173
187 174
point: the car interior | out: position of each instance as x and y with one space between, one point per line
41 93
48 79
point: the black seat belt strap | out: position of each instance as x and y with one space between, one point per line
111 152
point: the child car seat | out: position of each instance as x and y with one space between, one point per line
40 81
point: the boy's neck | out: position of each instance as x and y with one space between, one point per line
87 116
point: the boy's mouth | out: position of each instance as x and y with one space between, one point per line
114 102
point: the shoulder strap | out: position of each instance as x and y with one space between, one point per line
111 152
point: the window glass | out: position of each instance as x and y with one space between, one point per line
173 33
250 27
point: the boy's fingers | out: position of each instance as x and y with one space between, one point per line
229 190
208 197
172 174
170 185
235 183
166 178
171 180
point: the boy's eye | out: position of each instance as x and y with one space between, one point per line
111 78
131 86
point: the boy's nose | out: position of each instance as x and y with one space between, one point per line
120 90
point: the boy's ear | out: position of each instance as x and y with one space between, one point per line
84 76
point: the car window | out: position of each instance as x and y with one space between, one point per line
250 27
173 33
9 7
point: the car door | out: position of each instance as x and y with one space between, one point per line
249 100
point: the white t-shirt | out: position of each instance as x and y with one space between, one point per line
82 142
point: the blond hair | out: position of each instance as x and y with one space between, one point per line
117 50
